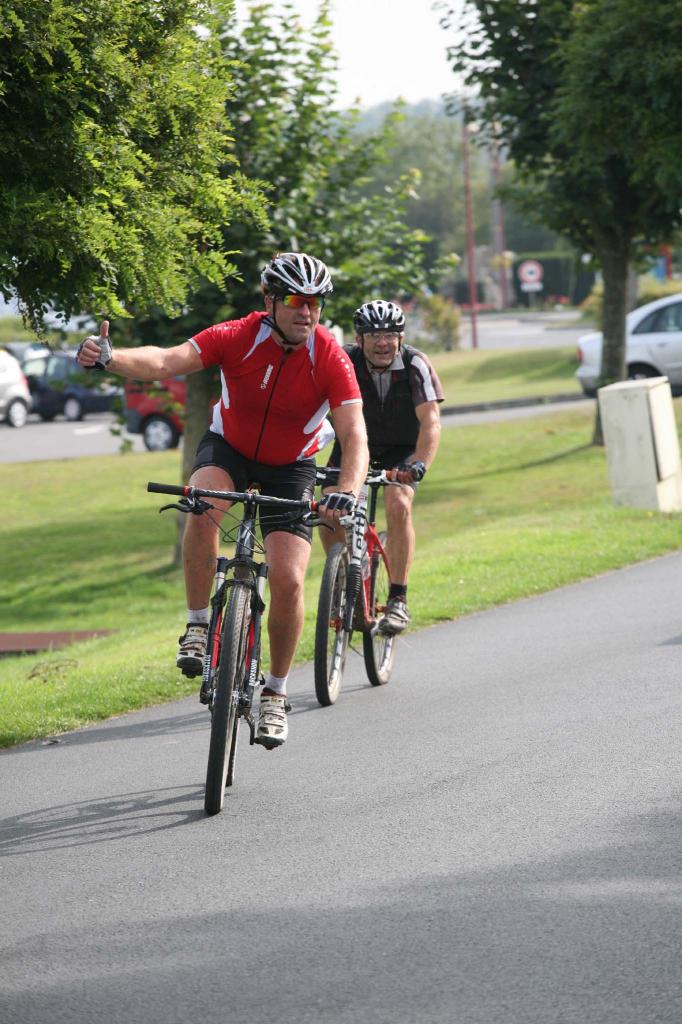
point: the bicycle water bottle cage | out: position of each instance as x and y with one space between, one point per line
195 506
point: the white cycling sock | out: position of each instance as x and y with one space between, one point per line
198 616
276 684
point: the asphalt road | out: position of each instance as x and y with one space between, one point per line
493 838
38 441
524 330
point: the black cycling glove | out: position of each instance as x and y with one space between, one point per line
416 470
344 501
105 350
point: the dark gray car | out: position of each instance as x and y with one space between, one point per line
60 386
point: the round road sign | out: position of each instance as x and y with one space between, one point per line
530 272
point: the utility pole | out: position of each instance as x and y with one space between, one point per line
471 259
499 240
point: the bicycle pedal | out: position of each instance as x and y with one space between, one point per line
189 672
267 743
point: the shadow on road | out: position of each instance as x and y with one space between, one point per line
89 822
167 726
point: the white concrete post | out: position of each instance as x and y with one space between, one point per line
642 450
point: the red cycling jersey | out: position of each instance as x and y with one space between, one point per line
274 404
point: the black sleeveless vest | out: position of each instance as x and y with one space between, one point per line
393 421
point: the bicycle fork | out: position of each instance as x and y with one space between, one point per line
253 652
213 642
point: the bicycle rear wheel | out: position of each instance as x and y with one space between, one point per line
229 682
378 650
331 640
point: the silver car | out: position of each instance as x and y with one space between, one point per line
653 345
15 397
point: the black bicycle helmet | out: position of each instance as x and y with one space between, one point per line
379 315
298 273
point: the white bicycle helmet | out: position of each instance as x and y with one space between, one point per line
298 273
379 315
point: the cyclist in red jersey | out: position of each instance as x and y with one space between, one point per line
281 373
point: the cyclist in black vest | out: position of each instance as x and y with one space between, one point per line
400 393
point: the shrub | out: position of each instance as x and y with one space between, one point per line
441 319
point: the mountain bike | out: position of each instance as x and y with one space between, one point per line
231 670
353 595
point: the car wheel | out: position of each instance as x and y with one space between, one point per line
159 434
17 413
73 409
640 371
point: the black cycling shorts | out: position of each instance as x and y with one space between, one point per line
295 480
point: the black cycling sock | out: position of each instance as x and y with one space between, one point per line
398 590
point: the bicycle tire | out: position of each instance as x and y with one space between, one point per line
378 650
331 640
224 720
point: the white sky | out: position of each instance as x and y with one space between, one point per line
386 49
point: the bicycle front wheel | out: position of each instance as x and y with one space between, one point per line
331 640
230 675
379 650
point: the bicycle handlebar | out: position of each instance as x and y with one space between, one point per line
240 496
375 478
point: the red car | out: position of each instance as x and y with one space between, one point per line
156 410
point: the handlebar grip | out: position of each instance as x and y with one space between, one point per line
167 489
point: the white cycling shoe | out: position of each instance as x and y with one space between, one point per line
190 659
273 727
395 619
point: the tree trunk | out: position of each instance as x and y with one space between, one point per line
614 259
197 408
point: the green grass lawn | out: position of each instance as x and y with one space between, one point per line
508 510
491 375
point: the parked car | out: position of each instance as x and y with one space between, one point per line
156 410
21 350
60 386
15 397
653 346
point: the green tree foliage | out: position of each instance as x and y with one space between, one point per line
113 133
585 97
313 165
427 140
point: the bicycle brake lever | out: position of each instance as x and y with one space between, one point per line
316 522
194 505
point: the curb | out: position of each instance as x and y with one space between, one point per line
514 403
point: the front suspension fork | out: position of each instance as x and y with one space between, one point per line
253 667
214 628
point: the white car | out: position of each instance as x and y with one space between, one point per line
653 345
15 397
